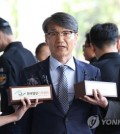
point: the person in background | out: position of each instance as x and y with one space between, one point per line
18 114
42 51
14 58
104 38
64 114
88 50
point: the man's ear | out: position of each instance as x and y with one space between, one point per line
1 34
76 36
2 37
46 39
76 39
118 44
92 46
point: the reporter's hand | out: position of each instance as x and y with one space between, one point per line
26 104
97 99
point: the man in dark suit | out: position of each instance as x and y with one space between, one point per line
51 117
104 38
14 58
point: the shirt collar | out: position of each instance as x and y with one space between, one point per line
54 63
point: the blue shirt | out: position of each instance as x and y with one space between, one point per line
69 72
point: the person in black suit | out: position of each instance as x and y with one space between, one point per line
104 38
51 117
14 58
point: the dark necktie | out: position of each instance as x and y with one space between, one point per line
63 89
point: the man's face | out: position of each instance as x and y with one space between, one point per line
88 51
61 41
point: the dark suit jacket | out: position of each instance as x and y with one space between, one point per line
109 65
48 118
17 58
13 60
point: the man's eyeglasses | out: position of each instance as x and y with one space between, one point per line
65 34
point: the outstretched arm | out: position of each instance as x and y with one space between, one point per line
97 99
106 106
18 114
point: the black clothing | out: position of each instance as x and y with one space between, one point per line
109 65
93 60
13 60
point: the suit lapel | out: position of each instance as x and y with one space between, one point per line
80 76
45 78
80 72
